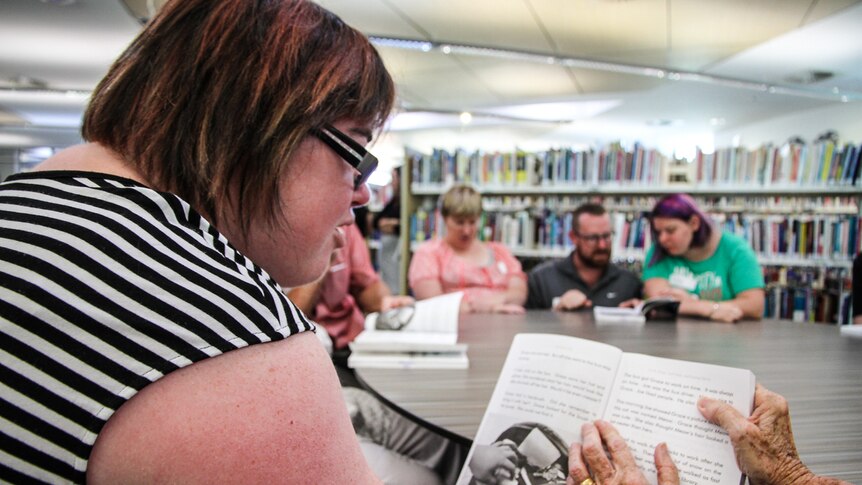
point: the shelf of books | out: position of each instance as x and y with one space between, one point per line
797 205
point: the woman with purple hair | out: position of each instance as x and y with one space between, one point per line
714 274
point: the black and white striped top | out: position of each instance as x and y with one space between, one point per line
106 286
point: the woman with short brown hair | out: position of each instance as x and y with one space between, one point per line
142 290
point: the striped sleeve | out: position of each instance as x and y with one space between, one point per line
105 287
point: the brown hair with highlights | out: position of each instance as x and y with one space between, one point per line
213 97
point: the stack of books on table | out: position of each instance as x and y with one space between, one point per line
420 336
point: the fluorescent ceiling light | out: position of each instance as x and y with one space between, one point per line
450 48
556 112
48 108
406 44
428 119
419 120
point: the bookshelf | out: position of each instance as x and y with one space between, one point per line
798 205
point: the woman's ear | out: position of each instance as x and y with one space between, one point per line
694 223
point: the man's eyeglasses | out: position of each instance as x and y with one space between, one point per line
595 238
351 151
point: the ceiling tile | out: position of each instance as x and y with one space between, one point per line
502 23
375 17
605 29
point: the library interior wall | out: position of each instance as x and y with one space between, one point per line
845 118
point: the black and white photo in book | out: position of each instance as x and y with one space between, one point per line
395 318
523 454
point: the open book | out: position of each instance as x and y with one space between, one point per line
552 384
423 335
658 308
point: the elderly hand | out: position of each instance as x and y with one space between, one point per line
763 443
390 302
572 300
494 463
617 465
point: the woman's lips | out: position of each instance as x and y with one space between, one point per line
340 240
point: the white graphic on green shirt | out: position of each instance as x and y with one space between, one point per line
706 285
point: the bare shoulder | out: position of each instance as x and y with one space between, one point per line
266 413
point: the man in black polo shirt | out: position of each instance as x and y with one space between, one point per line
586 277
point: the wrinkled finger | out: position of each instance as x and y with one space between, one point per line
667 472
621 455
594 454
765 397
578 471
724 415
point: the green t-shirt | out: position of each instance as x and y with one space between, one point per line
731 269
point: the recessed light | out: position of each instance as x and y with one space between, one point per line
59 3
663 122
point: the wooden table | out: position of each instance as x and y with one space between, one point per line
812 365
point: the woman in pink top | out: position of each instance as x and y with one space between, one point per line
490 277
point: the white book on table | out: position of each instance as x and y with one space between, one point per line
424 335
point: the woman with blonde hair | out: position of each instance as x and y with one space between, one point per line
487 272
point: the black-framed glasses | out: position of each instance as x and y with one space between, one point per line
351 151
595 238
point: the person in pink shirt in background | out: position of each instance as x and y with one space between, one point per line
489 275
346 292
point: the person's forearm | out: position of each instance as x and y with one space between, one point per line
750 310
387 225
371 298
306 297
697 308
825 481
516 293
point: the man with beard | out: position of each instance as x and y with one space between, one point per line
586 277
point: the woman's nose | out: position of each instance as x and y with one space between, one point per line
361 196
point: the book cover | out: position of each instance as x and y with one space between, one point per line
658 308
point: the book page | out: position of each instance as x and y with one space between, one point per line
549 386
655 400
